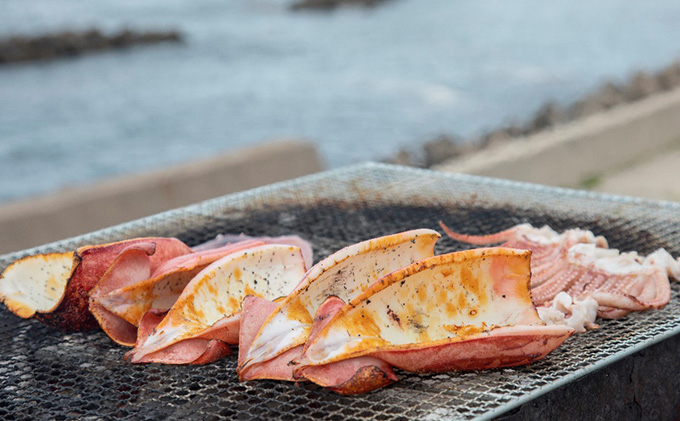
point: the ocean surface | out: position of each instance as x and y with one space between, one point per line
359 83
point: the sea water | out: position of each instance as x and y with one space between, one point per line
359 83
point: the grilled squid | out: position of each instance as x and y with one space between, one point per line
209 307
468 310
345 274
120 301
592 275
54 288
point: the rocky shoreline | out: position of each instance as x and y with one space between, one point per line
71 44
610 95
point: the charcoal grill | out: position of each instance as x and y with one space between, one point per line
46 374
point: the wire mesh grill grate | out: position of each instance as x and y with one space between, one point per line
49 374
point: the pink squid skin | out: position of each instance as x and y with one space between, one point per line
641 288
191 351
277 368
132 265
501 347
225 330
130 301
348 377
202 258
90 263
255 312
353 376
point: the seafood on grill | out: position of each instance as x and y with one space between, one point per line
547 245
357 375
579 313
619 282
349 376
222 240
129 290
54 287
192 351
467 310
344 274
209 307
580 264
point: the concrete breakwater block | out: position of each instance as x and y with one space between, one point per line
82 209
70 44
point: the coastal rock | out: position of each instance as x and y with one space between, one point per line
610 95
495 137
547 116
441 148
406 158
70 44
669 77
642 86
514 130
333 4
584 108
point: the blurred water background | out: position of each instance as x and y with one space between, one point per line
359 83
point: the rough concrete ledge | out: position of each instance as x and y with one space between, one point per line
76 211
569 154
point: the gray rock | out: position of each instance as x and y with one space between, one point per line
642 86
441 149
332 4
70 44
669 77
610 95
547 116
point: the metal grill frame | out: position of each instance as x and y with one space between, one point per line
476 395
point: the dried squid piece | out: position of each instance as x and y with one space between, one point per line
54 288
468 310
345 274
210 305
